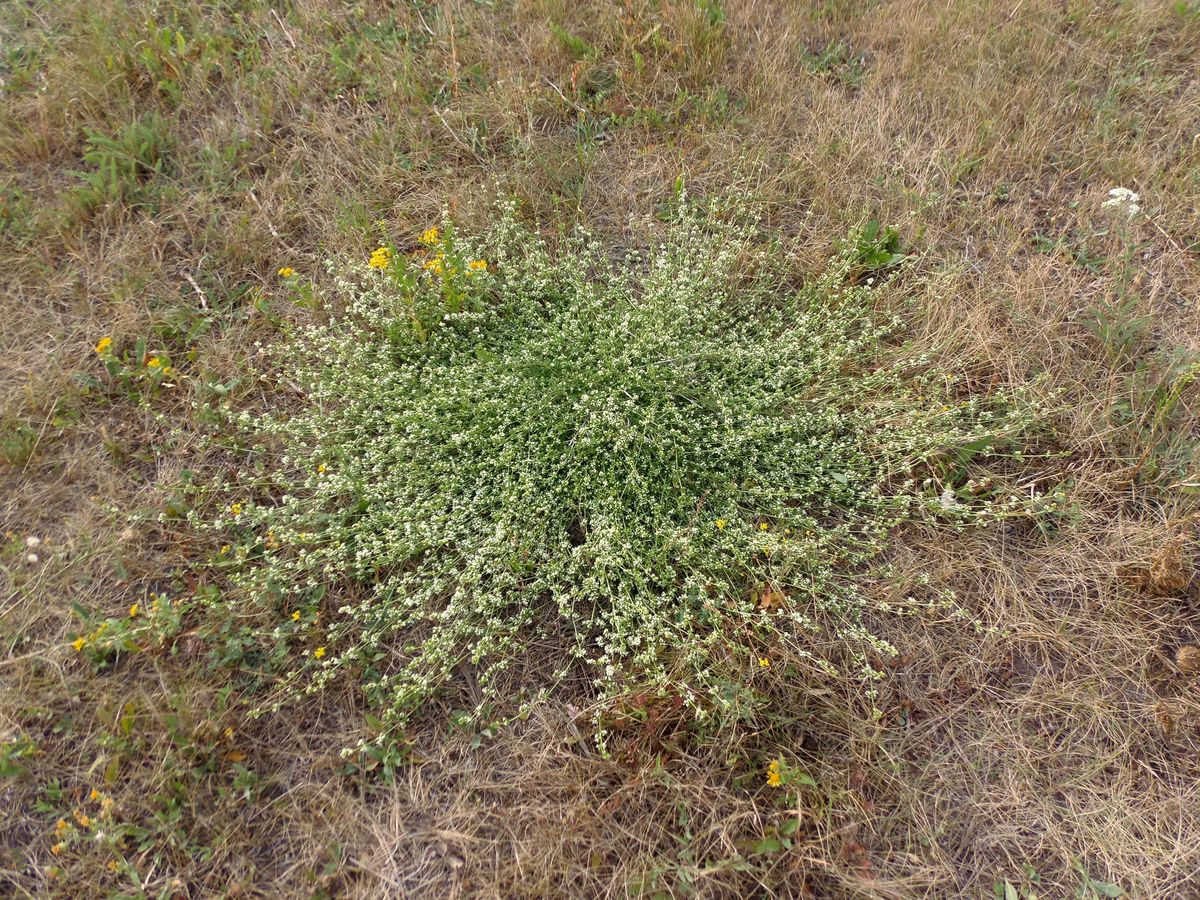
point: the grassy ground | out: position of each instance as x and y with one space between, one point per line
159 161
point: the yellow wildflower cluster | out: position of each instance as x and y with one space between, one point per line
82 641
157 362
381 258
478 265
774 775
66 833
430 236
103 344
287 272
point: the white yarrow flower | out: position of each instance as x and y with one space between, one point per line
1123 200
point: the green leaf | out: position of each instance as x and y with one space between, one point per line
767 845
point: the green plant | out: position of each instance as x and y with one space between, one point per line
609 457
873 249
17 442
572 44
148 627
1154 382
1095 888
136 370
14 211
13 751
1026 888
122 162
712 12
1187 9
1120 328
837 61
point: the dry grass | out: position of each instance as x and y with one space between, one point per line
991 133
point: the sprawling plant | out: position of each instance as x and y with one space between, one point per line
654 465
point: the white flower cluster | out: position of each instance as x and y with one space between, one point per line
1123 200
605 457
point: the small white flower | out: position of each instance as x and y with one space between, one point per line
32 558
1124 200
947 499
32 541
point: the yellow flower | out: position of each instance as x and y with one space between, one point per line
236 509
82 818
319 652
763 526
58 848
477 265
133 611
720 524
154 363
430 237
228 732
381 258
60 826
774 777
435 265
296 616
79 643
321 468
111 865
287 272
94 795
764 662
103 344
